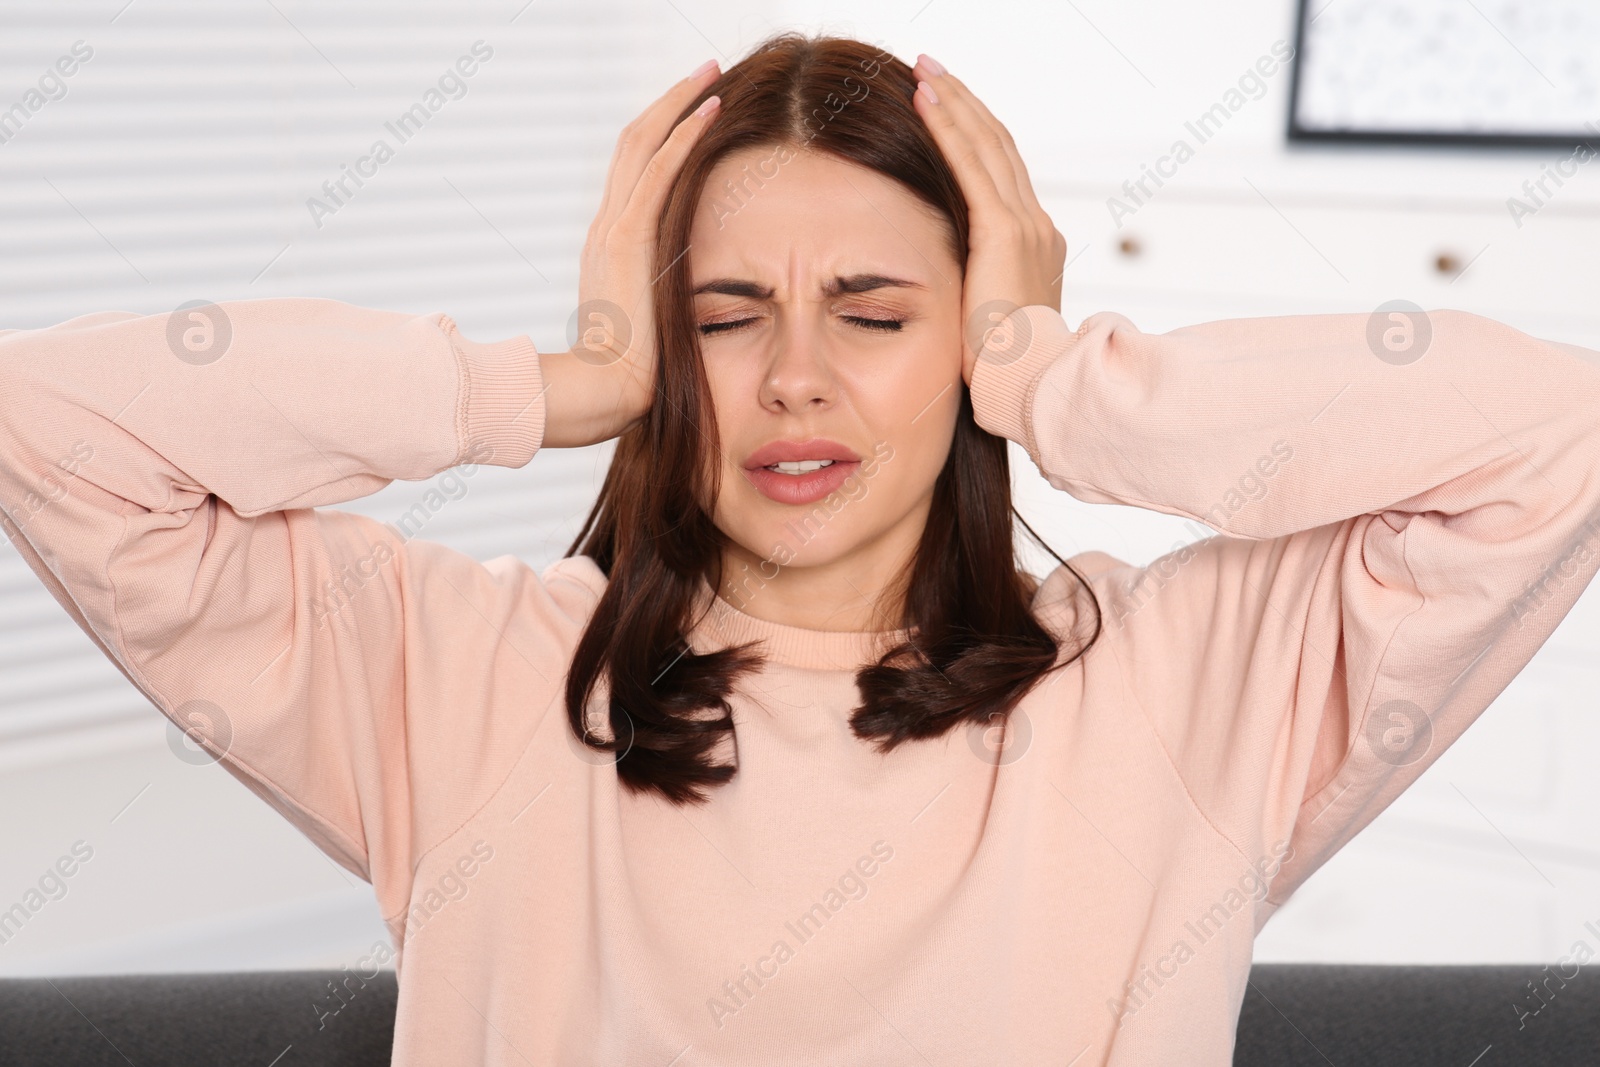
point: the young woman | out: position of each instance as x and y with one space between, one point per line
787 761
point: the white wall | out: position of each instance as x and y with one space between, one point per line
177 168
1494 855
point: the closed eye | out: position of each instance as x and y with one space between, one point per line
723 327
878 325
885 325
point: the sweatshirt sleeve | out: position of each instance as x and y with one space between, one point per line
165 477
1397 536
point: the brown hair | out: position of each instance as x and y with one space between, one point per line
974 646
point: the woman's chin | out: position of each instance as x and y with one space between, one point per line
791 544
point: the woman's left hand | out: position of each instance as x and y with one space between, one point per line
1015 255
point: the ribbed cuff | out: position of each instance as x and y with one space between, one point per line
1002 391
501 410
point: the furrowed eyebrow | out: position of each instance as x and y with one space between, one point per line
854 283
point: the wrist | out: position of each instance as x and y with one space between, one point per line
1002 387
586 403
498 418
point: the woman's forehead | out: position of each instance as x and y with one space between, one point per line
801 279
758 187
812 222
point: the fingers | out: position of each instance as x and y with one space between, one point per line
973 138
991 172
985 197
639 140
1019 172
972 121
650 192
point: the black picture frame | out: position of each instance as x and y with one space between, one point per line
1298 133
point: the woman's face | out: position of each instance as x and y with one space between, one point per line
829 304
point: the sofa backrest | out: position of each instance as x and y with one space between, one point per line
1503 1015
1294 1015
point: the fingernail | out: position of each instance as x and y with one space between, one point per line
711 64
708 106
932 64
925 87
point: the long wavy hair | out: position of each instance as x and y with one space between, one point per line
973 646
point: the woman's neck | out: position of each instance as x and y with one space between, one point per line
856 592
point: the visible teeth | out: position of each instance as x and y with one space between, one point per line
803 466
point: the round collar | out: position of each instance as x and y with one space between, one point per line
720 624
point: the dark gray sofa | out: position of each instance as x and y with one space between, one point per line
1314 1015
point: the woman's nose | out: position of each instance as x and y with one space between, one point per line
799 369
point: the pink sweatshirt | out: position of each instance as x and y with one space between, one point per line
1398 538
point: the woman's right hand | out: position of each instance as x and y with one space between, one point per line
605 382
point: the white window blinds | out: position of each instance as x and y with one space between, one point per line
414 156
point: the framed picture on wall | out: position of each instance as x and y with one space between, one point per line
1471 72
